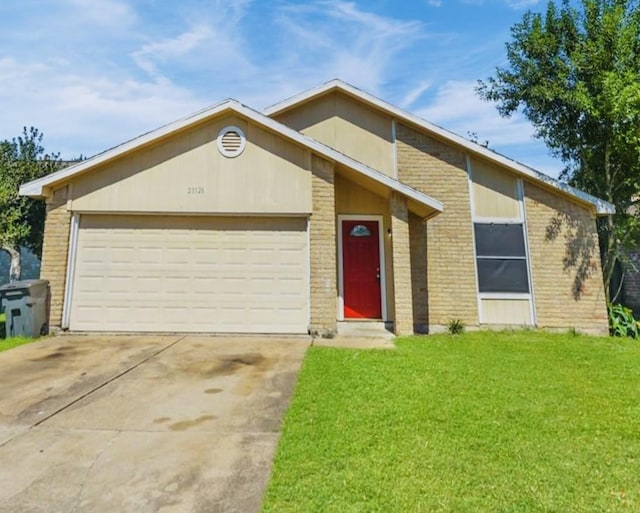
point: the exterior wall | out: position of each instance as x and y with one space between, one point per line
403 315
55 252
440 171
187 174
515 312
419 290
495 191
323 250
565 263
347 125
354 199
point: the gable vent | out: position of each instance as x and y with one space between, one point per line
231 141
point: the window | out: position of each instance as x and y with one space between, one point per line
360 230
501 258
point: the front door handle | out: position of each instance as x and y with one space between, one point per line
378 273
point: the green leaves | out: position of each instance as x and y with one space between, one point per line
22 219
621 322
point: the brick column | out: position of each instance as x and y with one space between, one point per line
401 249
55 249
324 291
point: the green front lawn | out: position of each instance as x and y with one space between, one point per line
485 422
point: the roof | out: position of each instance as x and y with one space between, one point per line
601 207
37 188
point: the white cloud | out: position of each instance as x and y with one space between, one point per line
456 107
102 12
85 114
337 39
152 54
415 93
435 3
521 4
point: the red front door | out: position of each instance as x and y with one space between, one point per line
361 270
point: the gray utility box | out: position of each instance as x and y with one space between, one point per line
25 304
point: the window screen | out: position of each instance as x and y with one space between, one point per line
501 258
502 275
499 240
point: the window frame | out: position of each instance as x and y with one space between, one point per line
503 257
520 219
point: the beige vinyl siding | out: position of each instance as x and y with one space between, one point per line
186 173
191 274
495 192
348 126
514 312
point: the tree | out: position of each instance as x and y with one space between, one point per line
575 74
22 219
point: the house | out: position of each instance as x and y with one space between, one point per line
330 206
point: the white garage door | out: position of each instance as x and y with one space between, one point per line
191 274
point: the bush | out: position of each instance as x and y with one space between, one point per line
622 322
455 327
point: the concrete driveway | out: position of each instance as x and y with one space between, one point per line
142 424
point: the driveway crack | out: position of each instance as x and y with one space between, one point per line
110 380
96 458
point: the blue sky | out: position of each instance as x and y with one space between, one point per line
93 73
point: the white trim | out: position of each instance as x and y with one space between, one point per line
340 302
394 148
504 295
497 220
36 188
308 273
472 206
186 213
383 275
501 257
523 213
224 151
601 207
71 268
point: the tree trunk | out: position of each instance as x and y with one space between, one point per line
612 243
15 270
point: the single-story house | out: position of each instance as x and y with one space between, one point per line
330 206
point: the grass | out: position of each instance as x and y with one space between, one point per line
11 342
482 422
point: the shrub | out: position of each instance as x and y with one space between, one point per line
455 327
622 322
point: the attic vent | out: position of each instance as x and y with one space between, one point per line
231 141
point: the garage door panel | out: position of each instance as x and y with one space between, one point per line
142 273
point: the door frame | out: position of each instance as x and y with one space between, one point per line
383 278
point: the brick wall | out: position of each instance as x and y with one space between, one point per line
55 252
565 263
403 315
323 249
419 292
440 171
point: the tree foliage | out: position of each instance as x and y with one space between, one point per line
575 74
22 219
